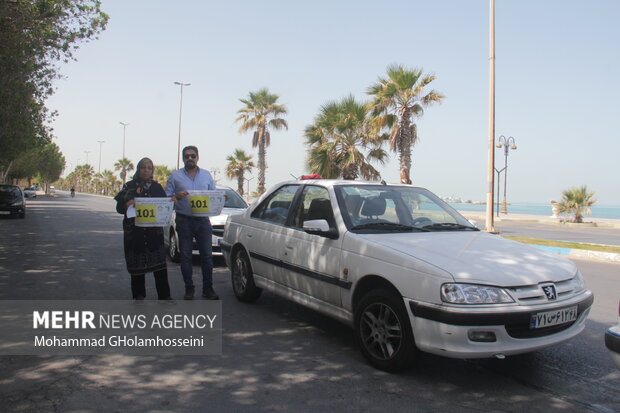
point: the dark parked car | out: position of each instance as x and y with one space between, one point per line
612 341
12 201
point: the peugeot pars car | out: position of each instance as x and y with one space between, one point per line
234 204
405 270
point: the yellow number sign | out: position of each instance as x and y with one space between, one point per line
199 203
146 213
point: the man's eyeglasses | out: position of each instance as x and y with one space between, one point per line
190 155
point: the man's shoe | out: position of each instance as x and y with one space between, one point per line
189 293
209 294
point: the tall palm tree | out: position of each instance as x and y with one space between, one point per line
124 165
238 164
343 143
261 113
161 173
577 200
109 181
83 174
98 182
397 100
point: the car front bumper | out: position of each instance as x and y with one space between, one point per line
12 210
445 330
612 342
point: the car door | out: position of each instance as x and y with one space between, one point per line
266 233
311 263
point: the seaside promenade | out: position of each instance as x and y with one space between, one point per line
600 231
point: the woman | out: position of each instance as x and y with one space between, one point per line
144 246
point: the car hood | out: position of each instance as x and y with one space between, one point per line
478 257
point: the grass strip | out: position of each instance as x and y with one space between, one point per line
564 244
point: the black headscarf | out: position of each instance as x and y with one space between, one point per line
136 176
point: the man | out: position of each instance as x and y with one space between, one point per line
192 178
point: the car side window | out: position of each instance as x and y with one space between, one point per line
276 208
314 204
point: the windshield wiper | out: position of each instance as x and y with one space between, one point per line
388 226
448 226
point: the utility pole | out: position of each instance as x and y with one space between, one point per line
180 113
100 143
491 140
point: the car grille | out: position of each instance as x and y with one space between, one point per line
533 294
218 230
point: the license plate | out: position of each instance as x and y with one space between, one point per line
553 318
5 212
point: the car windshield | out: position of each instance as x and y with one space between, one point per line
234 200
381 208
6 191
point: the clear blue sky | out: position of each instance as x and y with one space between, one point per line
557 87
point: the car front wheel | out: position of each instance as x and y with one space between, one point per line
242 278
384 331
173 247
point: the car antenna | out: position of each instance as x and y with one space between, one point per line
294 177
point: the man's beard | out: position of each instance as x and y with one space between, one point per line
190 165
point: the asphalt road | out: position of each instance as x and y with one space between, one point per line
586 234
277 356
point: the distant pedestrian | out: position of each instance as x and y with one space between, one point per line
180 182
144 246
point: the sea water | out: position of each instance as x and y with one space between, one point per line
609 212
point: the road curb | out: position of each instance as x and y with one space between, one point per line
578 253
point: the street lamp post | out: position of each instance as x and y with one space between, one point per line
507 143
86 152
124 127
100 143
499 171
247 195
180 113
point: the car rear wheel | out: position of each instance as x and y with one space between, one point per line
173 247
384 331
242 278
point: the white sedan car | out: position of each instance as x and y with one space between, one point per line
234 205
30 192
405 270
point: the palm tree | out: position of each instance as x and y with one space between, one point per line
238 164
577 200
398 99
109 181
98 181
83 174
124 165
343 142
261 112
161 173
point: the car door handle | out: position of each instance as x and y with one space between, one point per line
288 247
249 235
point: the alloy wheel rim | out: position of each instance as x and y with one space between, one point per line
380 331
173 245
239 275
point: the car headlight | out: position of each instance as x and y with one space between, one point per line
19 202
578 282
474 294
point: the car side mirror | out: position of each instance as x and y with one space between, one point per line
320 227
474 223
